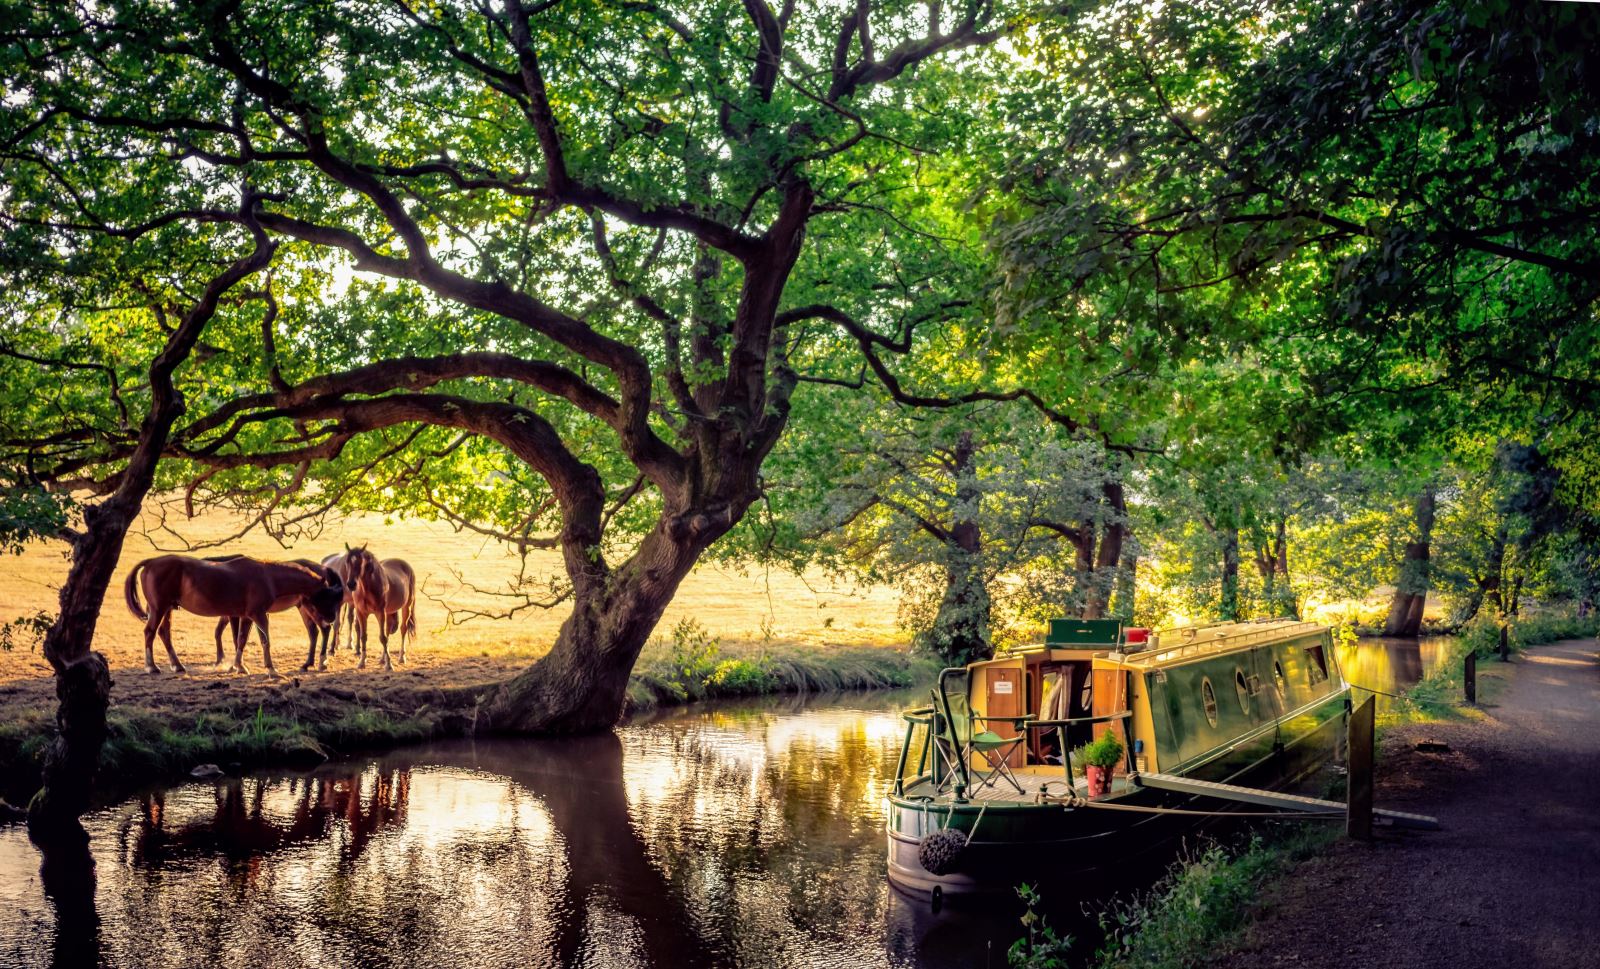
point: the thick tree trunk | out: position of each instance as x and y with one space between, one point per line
1412 582
1228 605
83 680
960 632
1122 605
1104 577
581 684
1283 601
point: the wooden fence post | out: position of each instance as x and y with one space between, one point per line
1358 809
1470 677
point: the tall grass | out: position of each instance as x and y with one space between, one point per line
1199 902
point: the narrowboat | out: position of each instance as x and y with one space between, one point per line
987 793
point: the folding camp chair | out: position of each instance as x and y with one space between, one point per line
959 739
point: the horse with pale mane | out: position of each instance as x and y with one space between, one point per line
386 589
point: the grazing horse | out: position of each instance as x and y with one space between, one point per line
387 589
230 587
319 611
340 563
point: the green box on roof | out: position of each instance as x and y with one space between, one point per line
1085 632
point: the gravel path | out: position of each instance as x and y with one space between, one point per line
1512 881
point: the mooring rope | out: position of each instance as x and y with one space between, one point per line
972 833
1397 696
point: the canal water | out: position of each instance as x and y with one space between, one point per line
731 835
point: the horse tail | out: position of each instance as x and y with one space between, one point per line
411 617
130 592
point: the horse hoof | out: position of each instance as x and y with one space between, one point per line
149 668
322 667
179 669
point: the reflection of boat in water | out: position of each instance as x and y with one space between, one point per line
1248 704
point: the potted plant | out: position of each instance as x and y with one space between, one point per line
1099 758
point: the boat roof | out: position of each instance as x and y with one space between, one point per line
1191 642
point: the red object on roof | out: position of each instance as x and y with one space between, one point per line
1136 634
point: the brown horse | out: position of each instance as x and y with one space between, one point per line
320 612
387 589
340 563
232 587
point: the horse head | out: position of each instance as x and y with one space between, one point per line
366 575
327 600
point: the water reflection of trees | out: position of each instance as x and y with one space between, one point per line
1390 665
711 840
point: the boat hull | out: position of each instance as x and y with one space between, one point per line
1048 843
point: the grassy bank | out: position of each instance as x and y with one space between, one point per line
302 725
691 664
1441 693
298 728
1202 901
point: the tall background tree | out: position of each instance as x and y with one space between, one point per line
554 269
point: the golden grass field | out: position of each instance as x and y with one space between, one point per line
737 606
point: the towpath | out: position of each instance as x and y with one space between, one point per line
1512 880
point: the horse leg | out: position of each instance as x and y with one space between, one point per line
384 622
311 633
150 626
347 626
407 621
326 631
222 624
360 640
166 640
260 619
239 639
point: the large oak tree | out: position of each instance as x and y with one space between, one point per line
578 255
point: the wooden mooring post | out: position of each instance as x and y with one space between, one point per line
1358 807
1469 678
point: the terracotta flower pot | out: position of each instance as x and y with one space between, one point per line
1099 780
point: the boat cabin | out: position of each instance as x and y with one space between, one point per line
1175 700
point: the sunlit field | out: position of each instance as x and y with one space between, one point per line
455 571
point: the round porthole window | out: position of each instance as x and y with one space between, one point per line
1240 685
1283 683
1208 698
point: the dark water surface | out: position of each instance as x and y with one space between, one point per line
736 835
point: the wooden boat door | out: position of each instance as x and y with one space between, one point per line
1005 696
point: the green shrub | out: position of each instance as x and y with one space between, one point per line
1178 922
740 677
1041 948
694 655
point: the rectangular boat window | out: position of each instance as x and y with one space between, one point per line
1319 664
